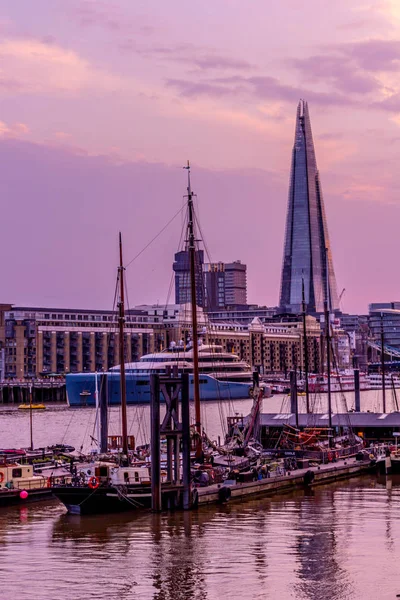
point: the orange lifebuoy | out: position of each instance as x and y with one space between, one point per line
94 482
1 477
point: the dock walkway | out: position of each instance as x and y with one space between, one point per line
342 469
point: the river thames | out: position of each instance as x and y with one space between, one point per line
339 542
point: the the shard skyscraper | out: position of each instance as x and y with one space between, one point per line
307 255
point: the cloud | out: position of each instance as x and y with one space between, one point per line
262 87
374 54
344 75
33 66
107 15
15 130
197 57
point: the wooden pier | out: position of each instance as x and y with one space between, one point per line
17 392
293 480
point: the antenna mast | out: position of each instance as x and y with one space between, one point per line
192 263
121 323
306 365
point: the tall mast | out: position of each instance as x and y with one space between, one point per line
383 366
328 347
121 322
306 366
192 263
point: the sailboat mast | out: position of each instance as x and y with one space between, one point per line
192 263
30 416
383 366
306 365
328 347
121 323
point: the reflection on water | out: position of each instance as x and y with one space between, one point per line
341 542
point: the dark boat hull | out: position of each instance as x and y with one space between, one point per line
81 500
12 497
394 468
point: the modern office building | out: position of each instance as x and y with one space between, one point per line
218 285
387 313
225 285
214 286
307 253
235 283
181 268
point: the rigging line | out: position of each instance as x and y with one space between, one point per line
154 238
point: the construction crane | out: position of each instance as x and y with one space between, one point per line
341 295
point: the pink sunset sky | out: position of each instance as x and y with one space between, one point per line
103 101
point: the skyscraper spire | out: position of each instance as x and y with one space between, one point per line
307 254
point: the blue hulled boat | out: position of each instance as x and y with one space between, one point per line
223 376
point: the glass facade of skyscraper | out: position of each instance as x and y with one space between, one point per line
307 255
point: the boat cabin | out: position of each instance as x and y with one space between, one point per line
16 476
139 474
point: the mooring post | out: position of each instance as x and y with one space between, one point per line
155 444
293 396
103 409
357 397
187 499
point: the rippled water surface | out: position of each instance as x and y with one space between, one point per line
340 543
343 542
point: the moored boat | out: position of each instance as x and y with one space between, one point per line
223 377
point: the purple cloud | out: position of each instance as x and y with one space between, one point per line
193 56
374 54
263 87
106 15
344 75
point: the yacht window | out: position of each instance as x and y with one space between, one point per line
144 382
16 473
136 477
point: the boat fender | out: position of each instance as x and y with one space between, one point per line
49 482
224 494
1 477
195 498
94 482
251 392
308 477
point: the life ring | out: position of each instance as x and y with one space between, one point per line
94 482
1 477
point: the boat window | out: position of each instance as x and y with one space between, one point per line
126 476
136 476
200 381
16 473
103 471
143 382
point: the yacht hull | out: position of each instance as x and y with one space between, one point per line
81 389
